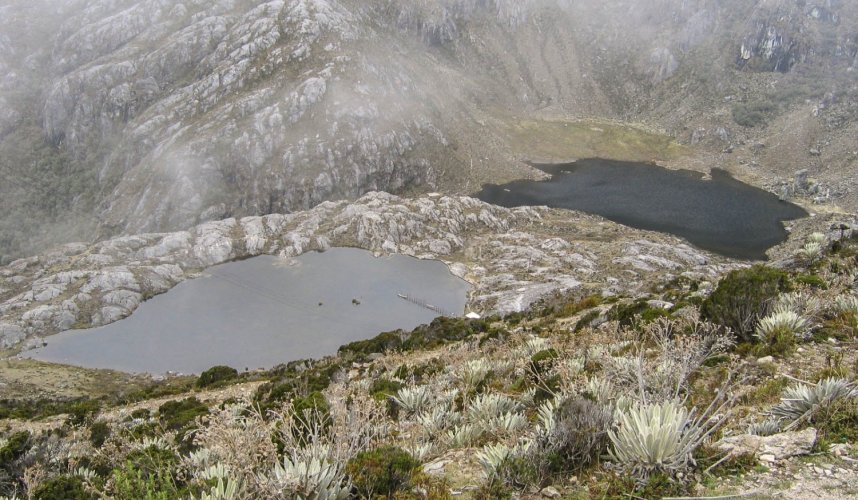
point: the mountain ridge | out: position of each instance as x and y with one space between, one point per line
171 113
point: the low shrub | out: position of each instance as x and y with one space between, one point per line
635 313
62 488
17 445
542 362
98 433
82 411
147 474
586 320
579 436
838 422
743 297
141 413
383 388
753 114
311 413
217 375
175 415
382 472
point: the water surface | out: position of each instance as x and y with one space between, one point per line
722 215
261 312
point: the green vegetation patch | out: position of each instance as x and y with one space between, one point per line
62 488
217 375
743 297
382 472
586 139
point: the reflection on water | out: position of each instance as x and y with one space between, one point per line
260 312
722 215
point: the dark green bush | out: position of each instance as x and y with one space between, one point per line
635 313
28 409
295 380
543 361
312 412
149 474
152 460
753 113
743 297
15 447
98 433
216 374
62 488
379 344
382 388
175 415
440 331
586 320
838 422
81 412
382 472
812 280
141 413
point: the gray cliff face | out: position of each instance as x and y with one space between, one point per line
170 113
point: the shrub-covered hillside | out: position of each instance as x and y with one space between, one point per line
698 389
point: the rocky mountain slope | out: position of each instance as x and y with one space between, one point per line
513 257
667 394
125 116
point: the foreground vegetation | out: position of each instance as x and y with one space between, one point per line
629 395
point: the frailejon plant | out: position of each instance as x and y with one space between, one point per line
803 304
413 399
655 438
846 304
225 489
492 456
765 428
311 477
801 401
778 331
474 372
811 251
485 407
507 423
463 435
438 419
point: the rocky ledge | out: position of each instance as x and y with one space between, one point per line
513 257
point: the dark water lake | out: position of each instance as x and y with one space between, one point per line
261 312
722 215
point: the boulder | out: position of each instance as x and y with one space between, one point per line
773 448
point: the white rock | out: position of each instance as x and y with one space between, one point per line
550 492
775 448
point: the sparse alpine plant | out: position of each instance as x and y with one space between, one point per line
765 428
655 438
781 323
800 401
413 399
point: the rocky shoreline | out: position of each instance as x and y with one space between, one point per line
513 257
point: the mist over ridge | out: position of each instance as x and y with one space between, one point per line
127 116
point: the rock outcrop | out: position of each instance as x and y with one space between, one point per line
513 257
